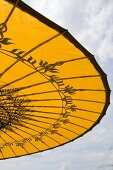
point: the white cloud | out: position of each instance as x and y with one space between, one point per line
100 29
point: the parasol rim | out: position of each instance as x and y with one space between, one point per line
24 7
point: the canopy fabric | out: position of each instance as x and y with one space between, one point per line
52 90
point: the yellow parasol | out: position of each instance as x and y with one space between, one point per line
52 91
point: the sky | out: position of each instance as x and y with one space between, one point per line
91 23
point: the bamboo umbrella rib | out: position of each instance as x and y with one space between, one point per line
28 141
65 107
29 118
31 50
51 123
27 75
55 91
15 140
41 127
9 146
58 114
38 132
2 154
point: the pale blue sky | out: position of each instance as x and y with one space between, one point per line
91 23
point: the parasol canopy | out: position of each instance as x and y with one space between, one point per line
52 91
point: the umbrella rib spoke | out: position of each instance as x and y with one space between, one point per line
7 19
74 59
78 125
14 140
2 153
5 53
59 115
55 91
86 76
32 85
69 122
9 15
32 115
53 139
21 137
62 136
27 118
41 83
38 132
38 93
16 80
31 50
41 127
9 146
88 110
39 111
40 100
42 112
93 101
21 78
82 118
31 135
43 43
69 130
27 127
29 115
8 68
21 129
72 131
100 90
24 138
58 107
34 124
65 107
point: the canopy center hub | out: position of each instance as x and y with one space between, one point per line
12 108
